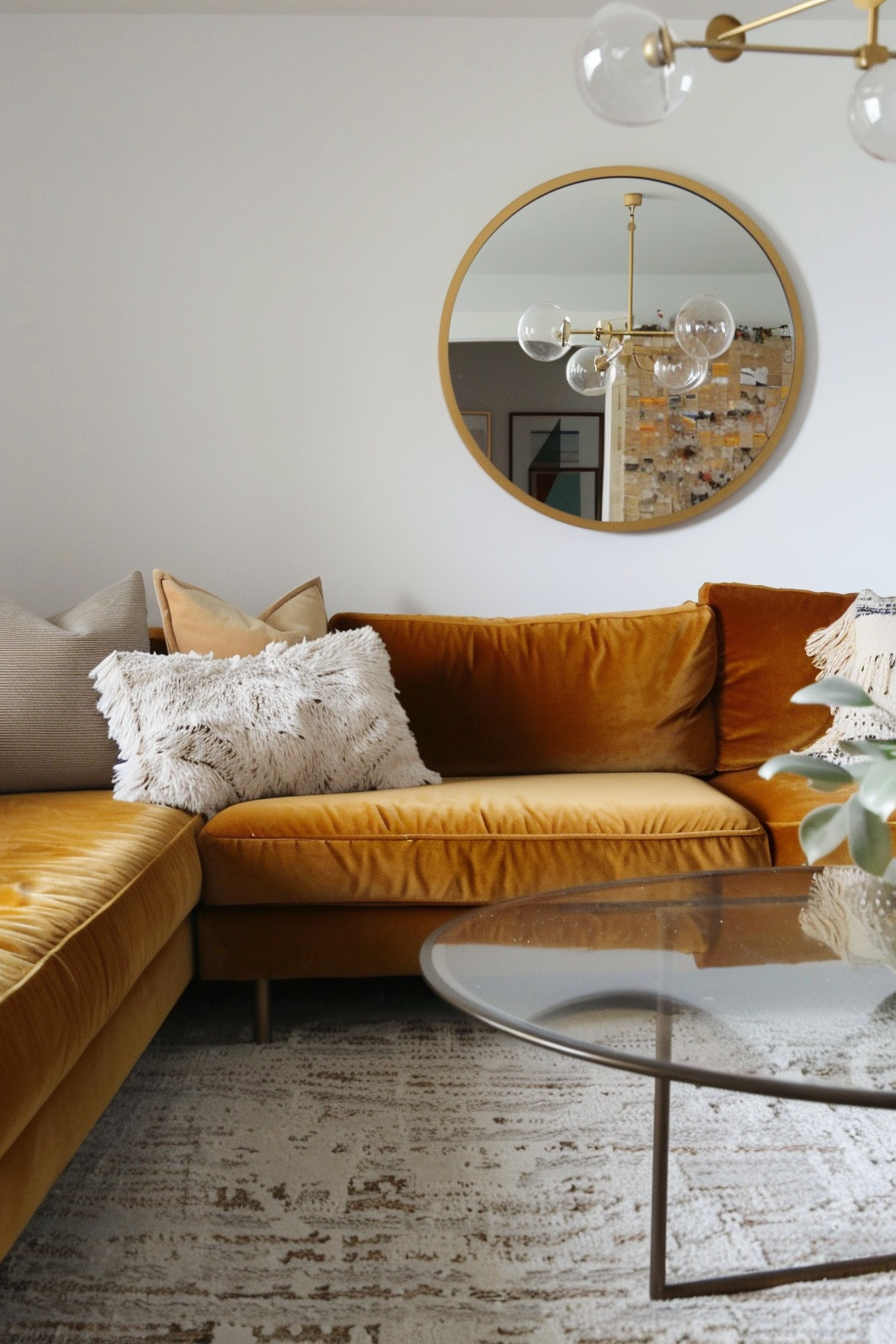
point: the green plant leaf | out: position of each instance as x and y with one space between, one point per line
823 830
882 749
824 775
869 838
877 791
832 691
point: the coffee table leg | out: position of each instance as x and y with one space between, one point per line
660 1195
727 1283
659 1199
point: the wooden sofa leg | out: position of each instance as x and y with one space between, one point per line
262 1012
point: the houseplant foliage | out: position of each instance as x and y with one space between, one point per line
869 765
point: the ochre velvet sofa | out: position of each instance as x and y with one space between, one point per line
574 749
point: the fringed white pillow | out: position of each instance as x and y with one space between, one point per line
852 912
861 646
201 733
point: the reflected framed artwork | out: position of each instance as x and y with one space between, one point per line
557 460
479 424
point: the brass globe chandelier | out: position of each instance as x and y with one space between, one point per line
703 330
632 69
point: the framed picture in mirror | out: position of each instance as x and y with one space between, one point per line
479 425
557 459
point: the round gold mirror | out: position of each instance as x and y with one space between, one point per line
621 348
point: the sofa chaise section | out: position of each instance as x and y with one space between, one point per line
96 901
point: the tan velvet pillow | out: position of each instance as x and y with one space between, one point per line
553 694
762 636
195 621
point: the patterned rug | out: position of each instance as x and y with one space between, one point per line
389 1172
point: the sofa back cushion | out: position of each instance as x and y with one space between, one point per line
762 635
552 694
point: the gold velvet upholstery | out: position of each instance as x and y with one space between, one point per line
48 1142
762 635
780 805
466 842
91 890
622 691
282 942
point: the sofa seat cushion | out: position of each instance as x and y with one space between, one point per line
90 891
780 804
468 841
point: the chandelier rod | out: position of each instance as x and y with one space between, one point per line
631 200
771 18
726 38
854 52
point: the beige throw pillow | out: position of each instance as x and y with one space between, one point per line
195 621
51 735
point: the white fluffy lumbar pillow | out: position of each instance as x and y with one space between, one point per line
201 733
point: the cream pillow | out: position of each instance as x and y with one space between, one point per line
195 621
201 733
860 646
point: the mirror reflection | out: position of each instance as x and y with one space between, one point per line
568 376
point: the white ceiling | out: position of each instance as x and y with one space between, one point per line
747 10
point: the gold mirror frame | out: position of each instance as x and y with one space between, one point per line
728 208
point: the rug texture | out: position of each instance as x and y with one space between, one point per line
389 1172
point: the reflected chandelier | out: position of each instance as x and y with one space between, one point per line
703 330
632 69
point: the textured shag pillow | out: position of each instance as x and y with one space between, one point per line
201 733
861 646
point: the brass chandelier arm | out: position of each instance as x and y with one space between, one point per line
770 18
606 330
725 39
854 52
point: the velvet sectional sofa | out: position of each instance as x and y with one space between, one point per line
571 749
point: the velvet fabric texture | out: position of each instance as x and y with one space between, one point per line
617 692
286 942
780 804
466 842
50 1140
762 635
90 892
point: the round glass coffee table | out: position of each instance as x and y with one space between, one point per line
777 981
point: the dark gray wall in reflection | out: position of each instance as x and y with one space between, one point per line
497 376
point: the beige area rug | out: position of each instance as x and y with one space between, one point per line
388 1172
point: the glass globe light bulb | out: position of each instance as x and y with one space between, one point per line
583 377
704 327
680 372
543 332
872 111
613 73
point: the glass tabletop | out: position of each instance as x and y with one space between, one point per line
781 981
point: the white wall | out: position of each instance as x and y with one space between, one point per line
224 247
